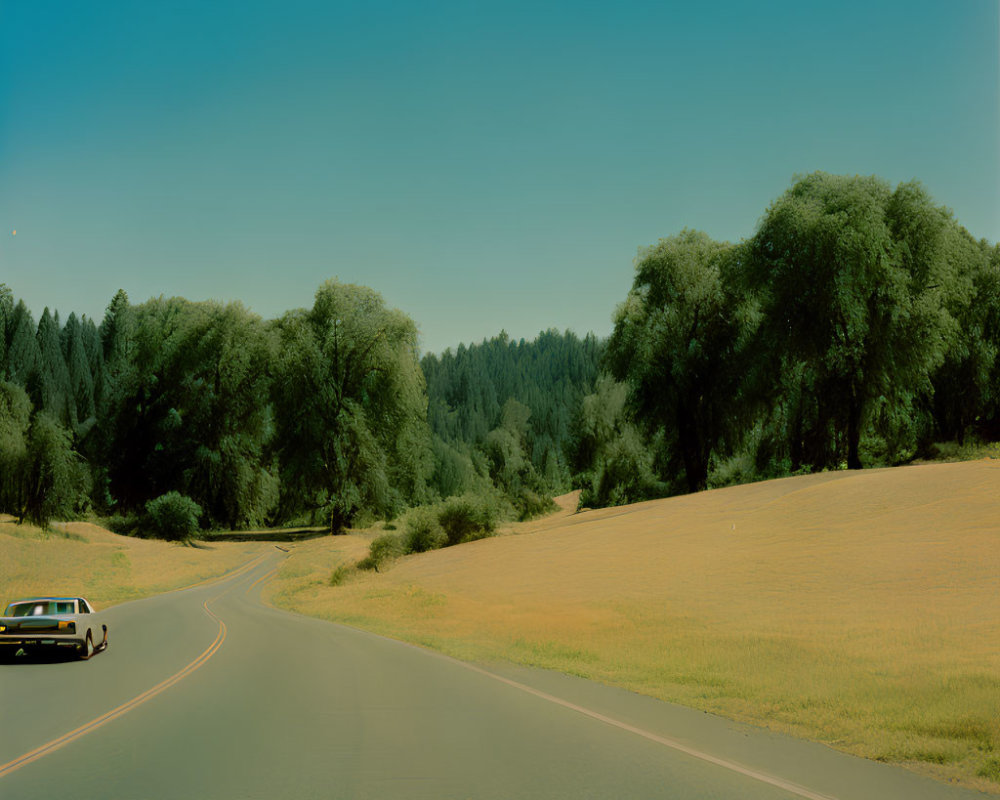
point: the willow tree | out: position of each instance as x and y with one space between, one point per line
678 341
351 407
854 282
15 420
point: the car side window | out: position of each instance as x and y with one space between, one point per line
84 608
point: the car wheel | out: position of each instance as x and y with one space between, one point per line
88 648
104 644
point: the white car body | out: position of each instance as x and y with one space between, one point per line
53 622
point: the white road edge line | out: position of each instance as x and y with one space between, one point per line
733 766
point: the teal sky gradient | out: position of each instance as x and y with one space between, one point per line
483 165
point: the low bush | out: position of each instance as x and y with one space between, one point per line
124 524
735 470
381 551
424 532
174 516
468 517
530 504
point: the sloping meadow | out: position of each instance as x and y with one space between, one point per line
861 609
78 558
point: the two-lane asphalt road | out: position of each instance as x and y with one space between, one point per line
208 694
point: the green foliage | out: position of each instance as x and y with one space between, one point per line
382 550
468 390
15 421
6 316
469 517
613 465
126 524
732 471
679 341
966 396
350 407
23 356
188 410
53 376
173 516
860 324
855 285
54 483
424 531
80 378
510 468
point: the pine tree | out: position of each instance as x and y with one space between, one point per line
95 357
22 353
6 315
118 344
53 375
81 379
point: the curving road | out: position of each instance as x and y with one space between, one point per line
207 693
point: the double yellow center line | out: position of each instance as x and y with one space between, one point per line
149 694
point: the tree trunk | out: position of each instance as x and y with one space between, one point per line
695 466
853 431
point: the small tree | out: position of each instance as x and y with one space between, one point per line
54 482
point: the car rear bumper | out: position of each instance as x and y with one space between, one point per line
41 641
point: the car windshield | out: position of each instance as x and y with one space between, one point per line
38 608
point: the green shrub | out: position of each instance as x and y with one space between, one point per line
382 550
531 504
124 524
424 532
173 516
737 469
468 517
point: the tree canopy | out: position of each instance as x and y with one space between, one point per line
351 406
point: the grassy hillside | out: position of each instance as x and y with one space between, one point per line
78 558
861 609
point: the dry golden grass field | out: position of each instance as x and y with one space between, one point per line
861 609
78 558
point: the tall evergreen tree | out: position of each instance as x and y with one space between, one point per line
81 379
94 352
56 393
23 356
6 317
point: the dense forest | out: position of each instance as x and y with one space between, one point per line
534 386
857 326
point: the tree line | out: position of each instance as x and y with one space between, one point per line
859 324
317 415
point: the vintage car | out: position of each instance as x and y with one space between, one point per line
52 622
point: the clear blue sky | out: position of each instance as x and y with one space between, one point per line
483 165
